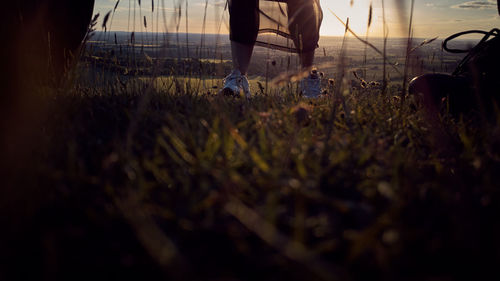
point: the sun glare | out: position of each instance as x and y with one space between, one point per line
357 14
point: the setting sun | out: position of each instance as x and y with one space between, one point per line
357 14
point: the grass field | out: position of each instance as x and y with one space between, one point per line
128 164
142 181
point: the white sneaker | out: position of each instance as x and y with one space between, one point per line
234 83
311 85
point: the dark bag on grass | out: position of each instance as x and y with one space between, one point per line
475 83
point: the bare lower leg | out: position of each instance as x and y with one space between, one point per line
307 60
241 54
304 22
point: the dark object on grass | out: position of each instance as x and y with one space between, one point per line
43 37
475 83
41 41
434 90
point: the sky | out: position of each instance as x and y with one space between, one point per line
430 19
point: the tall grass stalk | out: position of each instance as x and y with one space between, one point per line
385 35
338 96
112 18
157 34
339 93
177 21
368 24
187 31
202 43
140 25
408 52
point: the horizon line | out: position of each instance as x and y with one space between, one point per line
227 34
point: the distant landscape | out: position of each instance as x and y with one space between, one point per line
208 56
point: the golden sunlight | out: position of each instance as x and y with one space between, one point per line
357 14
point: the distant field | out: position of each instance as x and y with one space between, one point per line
216 50
199 85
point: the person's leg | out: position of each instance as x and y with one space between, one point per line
244 26
304 21
242 54
307 59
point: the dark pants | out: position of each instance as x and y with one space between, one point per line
303 22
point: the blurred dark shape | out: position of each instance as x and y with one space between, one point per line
473 86
433 89
44 36
41 41
301 113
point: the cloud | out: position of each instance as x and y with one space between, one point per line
436 5
477 5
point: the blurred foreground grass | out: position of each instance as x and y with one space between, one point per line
138 182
